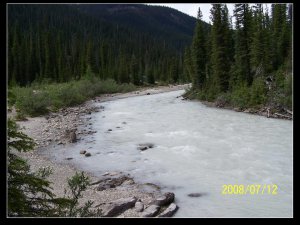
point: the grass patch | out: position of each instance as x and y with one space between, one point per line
39 99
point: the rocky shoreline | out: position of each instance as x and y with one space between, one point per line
263 111
115 193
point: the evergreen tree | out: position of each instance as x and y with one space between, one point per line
134 71
199 53
257 49
221 43
242 71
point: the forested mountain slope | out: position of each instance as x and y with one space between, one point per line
128 43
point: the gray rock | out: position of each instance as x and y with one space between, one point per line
82 152
170 211
72 136
88 154
139 206
164 200
111 182
119 206
151 211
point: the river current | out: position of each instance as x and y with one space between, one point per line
197 149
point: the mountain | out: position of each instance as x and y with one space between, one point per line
164 22
61 42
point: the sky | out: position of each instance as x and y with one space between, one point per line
192 9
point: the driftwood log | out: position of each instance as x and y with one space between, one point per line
278 114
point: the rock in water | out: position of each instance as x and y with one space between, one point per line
196 194
117 207
170 211
143 148
151 211
88 154
82 151
69 158
164 200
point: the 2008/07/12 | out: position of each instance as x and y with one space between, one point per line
229 189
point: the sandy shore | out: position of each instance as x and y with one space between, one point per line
53 129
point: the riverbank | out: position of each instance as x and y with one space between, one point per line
266 111
57 129
263 111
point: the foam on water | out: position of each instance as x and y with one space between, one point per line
196 149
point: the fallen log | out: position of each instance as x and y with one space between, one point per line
288 111
278 114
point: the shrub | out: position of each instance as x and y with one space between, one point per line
223 99
40 98
240 96
29 194
32 102
258 92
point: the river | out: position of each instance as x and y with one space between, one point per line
197 149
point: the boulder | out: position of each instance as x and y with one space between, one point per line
119 206
151 211
164 200
72 136
139 206
109 130
88 154
111 182
169 211
82 152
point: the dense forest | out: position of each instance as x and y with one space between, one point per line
127 43
246 64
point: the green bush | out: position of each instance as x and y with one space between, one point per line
40 98
223 99
240 96
258 92
288 90
30 194
32 102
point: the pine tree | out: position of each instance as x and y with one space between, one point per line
242 70
221 43
198 53
279 34
257 49
134 71
187 65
